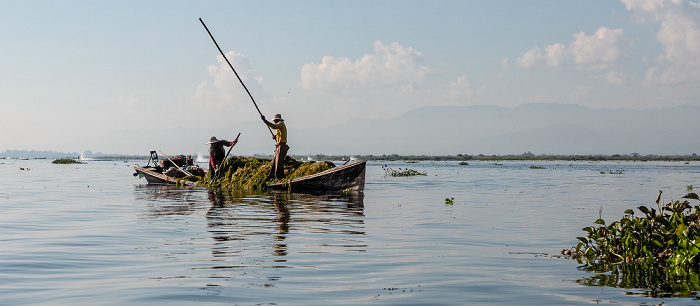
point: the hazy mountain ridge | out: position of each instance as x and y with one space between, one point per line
539 128
447 130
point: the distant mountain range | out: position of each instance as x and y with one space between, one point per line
555 129
37 154
537 128
33 154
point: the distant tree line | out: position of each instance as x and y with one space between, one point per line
525 156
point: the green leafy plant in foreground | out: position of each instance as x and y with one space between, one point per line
450 201
668 238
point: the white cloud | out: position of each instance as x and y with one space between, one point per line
602 49
505 63
224 85
529 58
459 89
679 33
616 78
393 67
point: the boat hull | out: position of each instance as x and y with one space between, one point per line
153 177
343 178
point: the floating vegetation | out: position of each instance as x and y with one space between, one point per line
537 167
64 161
665 241
23 169
689 188
612 172
497 164
464 163
412 162
401 172
252 173
449 201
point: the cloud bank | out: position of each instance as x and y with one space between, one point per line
600 50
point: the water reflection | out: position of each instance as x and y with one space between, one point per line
238 215
252 230
641 279
165 200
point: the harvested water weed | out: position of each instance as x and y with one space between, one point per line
252 173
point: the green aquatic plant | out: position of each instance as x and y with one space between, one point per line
464 163
689 188
401 172
668 237
252 173
449 201
66 161
537 167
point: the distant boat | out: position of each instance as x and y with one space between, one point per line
23 158
343 178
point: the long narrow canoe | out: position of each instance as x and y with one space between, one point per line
153 177
349 177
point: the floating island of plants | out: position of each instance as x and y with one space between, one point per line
401 172
252 172
658 251
65 161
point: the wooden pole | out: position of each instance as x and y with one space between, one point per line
234 71
178 167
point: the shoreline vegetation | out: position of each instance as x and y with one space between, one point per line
463 158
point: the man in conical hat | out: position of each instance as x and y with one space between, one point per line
281 146
217 152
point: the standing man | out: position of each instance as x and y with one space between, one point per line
277 170
217 152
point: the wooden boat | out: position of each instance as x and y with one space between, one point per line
168 171
154 177
349 177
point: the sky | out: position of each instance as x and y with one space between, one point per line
132 76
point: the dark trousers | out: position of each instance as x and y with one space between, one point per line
277 170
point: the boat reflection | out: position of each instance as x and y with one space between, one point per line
237 215
243 223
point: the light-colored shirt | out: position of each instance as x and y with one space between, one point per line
281 130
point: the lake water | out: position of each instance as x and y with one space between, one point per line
95 234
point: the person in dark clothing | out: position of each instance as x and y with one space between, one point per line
217 152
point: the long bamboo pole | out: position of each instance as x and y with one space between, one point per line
236 73
174 164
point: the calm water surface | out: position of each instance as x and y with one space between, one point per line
94 234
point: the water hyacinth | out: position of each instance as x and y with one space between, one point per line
668 238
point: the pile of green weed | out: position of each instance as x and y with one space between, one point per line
252 173
309 168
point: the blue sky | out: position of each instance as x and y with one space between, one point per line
79 75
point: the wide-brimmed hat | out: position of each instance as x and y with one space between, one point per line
212 139
277 117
